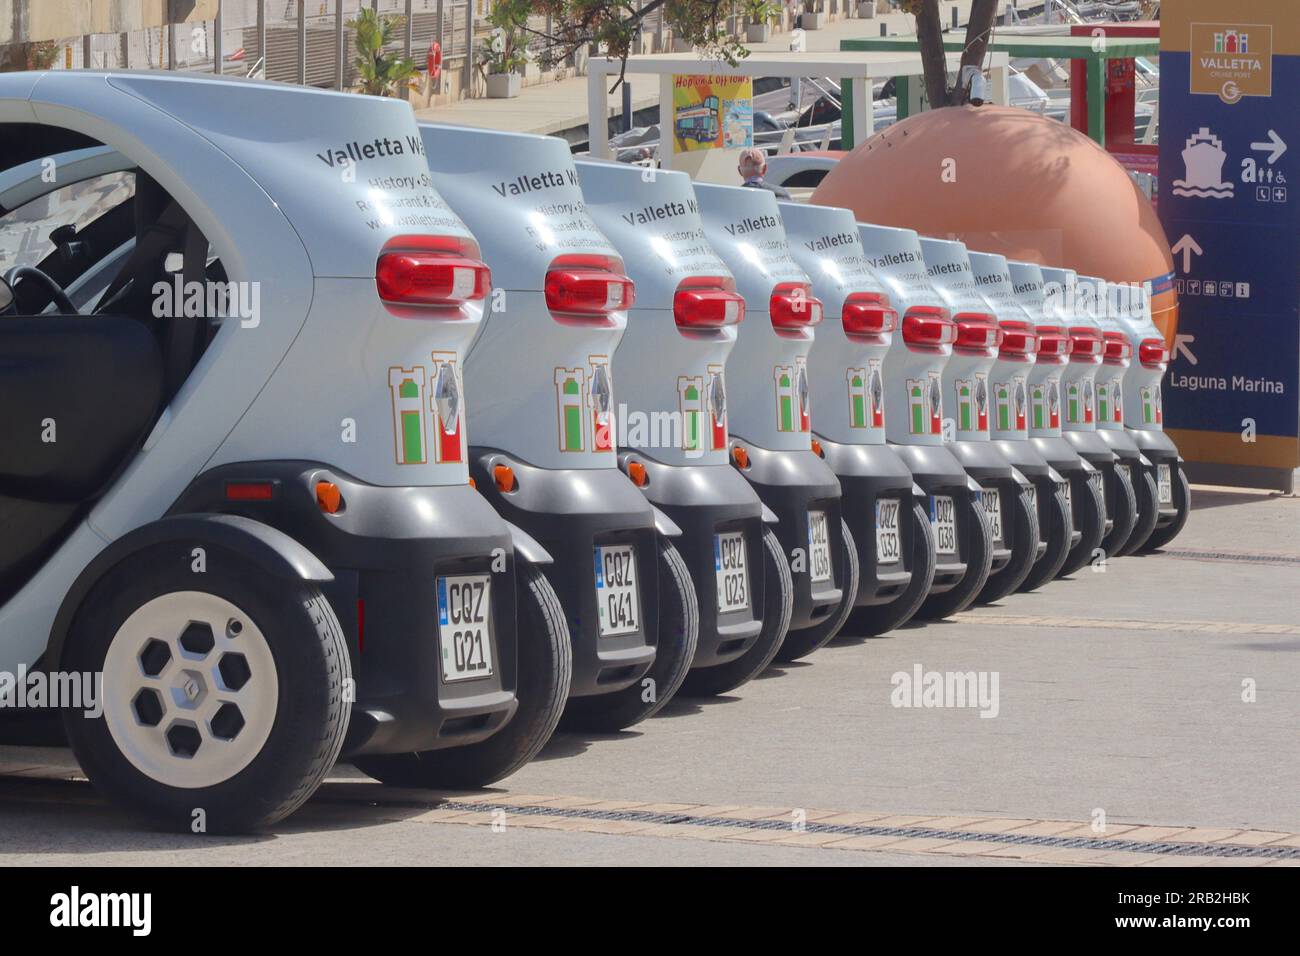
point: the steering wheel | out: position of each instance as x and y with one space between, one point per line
59 297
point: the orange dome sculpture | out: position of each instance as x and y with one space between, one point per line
1009 181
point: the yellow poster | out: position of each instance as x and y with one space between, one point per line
711 111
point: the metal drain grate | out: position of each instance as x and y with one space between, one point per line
1241 556
1170 848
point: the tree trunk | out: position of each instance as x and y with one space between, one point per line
929 39
978 29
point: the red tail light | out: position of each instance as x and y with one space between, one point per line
1118 348
706 302
588 286
431 271
793 306
928 326
1052 340
868 314
977 330
1085 343
250 490
1018 338
1151 352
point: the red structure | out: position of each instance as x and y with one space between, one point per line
1121 92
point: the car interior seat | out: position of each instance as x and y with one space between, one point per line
81 392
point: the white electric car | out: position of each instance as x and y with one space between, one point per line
769 410
1005 492
1144 412
233 471
671 372
887 513
545 451
1076 306
1132 467
913 380
1083 488
1008 383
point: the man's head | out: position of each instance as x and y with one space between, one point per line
752 163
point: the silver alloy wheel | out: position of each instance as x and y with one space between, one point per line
190 690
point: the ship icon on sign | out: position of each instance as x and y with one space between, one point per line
1203 160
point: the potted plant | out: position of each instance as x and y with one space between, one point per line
867 9
379 73
503 54
760 14
812 17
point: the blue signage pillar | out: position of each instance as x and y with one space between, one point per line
1229 201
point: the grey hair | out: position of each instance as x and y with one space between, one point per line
752 158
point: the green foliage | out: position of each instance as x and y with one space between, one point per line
38 55
505 49
761 11
613 25
382 74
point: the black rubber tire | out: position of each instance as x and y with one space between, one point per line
679 632
1059 530
1162 536
979 561
1148 513
1024 547
1091 521
804 641
873 620
778 601
311 719
545 669
1125 516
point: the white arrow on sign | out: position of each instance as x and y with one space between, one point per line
1274 147
1181 344
1188 247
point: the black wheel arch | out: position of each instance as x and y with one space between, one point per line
268 549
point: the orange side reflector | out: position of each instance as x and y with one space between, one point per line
472 485
817 448
740 456
505 477
636 471
328 497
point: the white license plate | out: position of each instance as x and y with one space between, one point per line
993 506
819 548
1127 472
1032 493
464 633
1068 488
729 564
1097 480
887 543
943 517
616 597
1165 484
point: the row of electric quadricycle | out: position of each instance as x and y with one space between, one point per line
476 440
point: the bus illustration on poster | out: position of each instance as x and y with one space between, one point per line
712 112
